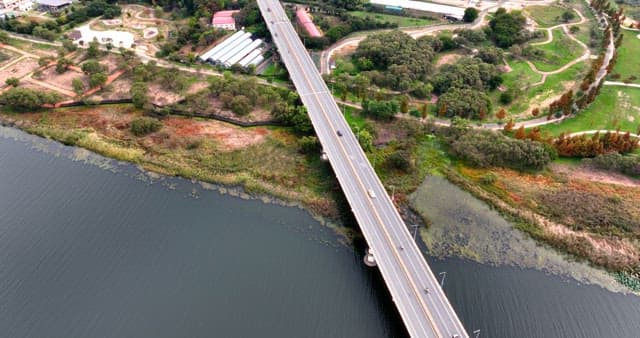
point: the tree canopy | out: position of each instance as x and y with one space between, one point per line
402 58
507 28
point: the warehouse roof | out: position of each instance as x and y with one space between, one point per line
452 11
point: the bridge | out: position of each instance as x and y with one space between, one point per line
422 304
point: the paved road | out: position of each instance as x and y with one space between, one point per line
421 302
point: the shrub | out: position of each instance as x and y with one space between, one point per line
24 99
629 165
484 148
12 81
145 125
506 97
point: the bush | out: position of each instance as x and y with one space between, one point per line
628 165
12 81
24 99
470 14
145 125
506 97
484 148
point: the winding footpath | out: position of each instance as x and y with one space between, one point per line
565 29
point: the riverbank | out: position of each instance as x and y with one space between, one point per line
268 161
261 160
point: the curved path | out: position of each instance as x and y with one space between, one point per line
621 84
565 29
326 55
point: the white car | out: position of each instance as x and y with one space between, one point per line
371 193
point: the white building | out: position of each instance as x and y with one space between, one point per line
448 11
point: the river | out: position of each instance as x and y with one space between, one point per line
92 247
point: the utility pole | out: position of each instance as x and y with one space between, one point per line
443 274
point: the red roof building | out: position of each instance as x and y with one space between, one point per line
224 20
305 21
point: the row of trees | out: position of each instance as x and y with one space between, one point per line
597 144
485 148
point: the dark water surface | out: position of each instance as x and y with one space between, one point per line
91 247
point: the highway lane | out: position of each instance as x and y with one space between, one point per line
402 265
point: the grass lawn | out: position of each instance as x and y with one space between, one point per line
548 16
402 21
616 107
628 63
554 85
558 53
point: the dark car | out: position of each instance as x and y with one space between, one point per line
339 133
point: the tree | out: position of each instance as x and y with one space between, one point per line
62 65
68 45
464 102
12 81
443 110
240 105
507 28
482 114
501 114
470 14
404 105
139 94
535 111
97 80
520 133
78 86
424 111
568 15
25 99
509 126
485 148
380 110
506 97
144 125
92 66
94 49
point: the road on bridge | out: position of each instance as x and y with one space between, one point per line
424 308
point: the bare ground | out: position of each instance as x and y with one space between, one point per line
18 70
63 80
595 175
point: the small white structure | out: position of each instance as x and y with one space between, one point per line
448 11
247 59
115 38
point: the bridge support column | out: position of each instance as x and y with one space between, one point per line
369 260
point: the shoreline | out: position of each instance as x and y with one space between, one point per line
319 204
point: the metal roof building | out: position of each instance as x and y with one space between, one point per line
233 51
305 21
449 11
206 55
216 56
242 53
249 57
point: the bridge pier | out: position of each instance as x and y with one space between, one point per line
369 260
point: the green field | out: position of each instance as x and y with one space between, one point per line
548 16
628 62
558 52
554 85
402 21
616 107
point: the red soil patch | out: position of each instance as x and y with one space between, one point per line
229 137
